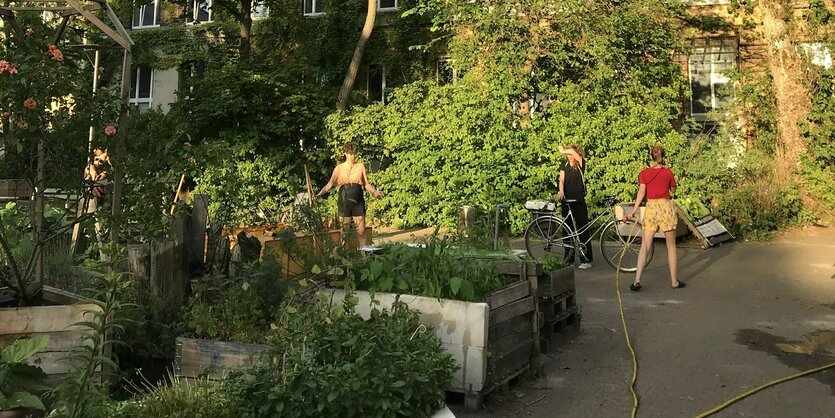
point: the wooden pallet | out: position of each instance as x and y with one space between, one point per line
474 400
561 321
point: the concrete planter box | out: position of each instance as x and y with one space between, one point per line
55 321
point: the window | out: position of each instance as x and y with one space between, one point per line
707 65
145 15
387 4
201 11
376 83
260 10
313 7
142 87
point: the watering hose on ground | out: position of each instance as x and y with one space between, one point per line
623 322
707 413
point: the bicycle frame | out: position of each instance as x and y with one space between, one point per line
575 233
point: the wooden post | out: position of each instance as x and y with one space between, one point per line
119 155
177 194
530 272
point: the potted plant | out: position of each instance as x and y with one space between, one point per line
19 380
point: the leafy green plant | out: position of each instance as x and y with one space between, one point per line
239 308
81 392
176 399
435 269
552 263
328 361
17 379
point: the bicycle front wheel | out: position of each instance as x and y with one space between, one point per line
549 235
616 237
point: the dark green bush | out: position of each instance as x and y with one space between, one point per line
240 308
329 362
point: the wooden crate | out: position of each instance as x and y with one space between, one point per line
556 282
213 359
56 322
560 320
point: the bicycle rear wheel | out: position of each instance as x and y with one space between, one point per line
615 237
549 235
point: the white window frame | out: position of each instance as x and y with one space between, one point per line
313 4
386 9
195 4
142 15
136 100
717 79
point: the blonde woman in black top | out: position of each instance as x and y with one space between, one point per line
573 187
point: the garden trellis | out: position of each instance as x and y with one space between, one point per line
110 25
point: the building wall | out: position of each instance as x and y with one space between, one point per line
166 83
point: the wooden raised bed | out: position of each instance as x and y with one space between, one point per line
213 359
493 341
558 305
55 321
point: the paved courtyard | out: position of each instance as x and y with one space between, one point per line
752 312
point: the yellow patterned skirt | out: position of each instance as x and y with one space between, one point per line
660 214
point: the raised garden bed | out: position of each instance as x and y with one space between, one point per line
213 359
55 320
493 341
560 314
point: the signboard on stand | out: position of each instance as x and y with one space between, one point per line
707 229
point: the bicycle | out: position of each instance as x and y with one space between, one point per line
548 233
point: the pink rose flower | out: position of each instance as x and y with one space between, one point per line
30 103
55 53
13 69
30 32
110 130
4 66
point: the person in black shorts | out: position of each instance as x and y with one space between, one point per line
352 180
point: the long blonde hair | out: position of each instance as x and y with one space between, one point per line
579 150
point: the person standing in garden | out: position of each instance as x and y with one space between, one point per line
656 183
572 194
351 178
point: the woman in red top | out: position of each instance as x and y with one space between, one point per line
656 184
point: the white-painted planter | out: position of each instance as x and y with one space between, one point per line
461 327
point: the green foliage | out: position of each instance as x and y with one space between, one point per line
328 361
80 393
818 170
552 263
178 399
17 379
435 269
238 308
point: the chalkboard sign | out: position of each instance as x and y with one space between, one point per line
707 229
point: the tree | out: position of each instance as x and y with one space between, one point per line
353 68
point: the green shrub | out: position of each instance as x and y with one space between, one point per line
178 399
240 308
328 362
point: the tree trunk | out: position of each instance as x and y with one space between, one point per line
792 96
245 29
351 75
